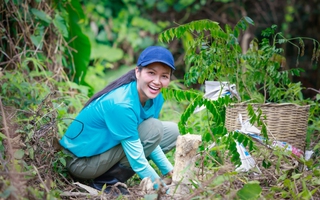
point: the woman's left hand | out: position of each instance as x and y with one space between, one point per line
167 179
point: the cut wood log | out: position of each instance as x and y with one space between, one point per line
184 167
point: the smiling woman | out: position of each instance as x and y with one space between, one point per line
151 79
118 129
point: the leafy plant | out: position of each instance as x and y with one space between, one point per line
79 41
214 54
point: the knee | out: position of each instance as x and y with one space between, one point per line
171 133
151 129
173 130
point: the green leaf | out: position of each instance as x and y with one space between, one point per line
2 136
266 164
315 181
249 191
198 26
7 192
37 41
106 52
60 24
316 172
318 97
79 41
249 20
296 176
236 32
63 161
104 187
31 153
249 68
283 177
19 154
304 195
219 180
41 15
145 24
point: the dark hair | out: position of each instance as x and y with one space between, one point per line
125 79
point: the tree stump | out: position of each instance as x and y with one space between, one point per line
184 168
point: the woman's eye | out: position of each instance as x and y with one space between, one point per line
166 77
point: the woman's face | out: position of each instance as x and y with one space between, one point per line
151 79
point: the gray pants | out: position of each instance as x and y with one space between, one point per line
152 132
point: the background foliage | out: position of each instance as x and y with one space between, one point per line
55 55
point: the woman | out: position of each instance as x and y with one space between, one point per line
117 131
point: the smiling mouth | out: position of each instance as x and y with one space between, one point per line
154 88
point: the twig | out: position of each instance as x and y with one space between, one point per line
44 185
295 186
318 91
78 194
16 173
10 151
6 130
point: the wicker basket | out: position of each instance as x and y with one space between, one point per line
285 122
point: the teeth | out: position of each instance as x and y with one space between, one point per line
154 88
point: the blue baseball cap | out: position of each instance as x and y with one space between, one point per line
154 54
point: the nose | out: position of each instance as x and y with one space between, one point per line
156 80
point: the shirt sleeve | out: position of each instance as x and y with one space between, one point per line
160 159
135 154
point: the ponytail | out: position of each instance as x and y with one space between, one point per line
125 79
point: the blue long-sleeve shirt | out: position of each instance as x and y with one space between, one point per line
113 119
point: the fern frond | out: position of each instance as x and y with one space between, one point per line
198 101
179 95
194 26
